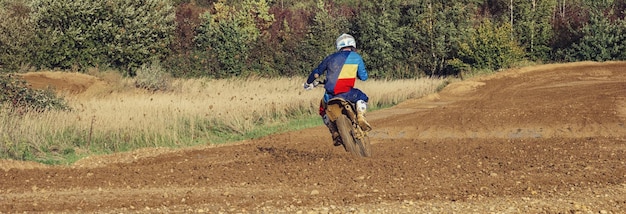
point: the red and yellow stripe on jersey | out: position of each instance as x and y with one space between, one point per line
342 69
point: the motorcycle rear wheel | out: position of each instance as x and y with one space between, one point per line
364 144
344 126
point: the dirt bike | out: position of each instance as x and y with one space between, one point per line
343 114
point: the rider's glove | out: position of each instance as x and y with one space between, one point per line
308 86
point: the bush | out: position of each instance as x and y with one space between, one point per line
16 95
192 65
491 47
152 77
457 67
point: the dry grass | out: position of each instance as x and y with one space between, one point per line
240 104
193 110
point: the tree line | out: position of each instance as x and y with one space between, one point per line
222 39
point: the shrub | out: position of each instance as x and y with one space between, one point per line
152 77
16 95
457 67
491 47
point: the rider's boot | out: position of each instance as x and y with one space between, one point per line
361 108
333 131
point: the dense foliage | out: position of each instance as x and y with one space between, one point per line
221 39
77 34
16 35
489 47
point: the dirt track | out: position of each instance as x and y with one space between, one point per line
546 139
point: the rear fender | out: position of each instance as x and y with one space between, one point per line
336 107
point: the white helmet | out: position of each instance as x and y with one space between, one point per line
345 40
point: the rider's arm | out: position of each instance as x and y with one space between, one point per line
361 72
317 72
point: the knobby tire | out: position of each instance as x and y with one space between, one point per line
364 145
344 127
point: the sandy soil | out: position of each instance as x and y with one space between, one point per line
543 139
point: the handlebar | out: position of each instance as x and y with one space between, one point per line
318 82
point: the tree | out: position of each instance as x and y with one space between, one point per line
496 10
381 37
142 32
589 30
70 34
16 34
324 31
285 50
435 30
228 34
566 26
532 26
490 47
602 39
83 33
187 20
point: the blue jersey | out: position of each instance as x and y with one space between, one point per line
342 69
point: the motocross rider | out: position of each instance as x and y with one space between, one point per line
342 69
